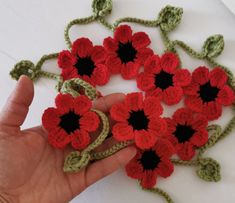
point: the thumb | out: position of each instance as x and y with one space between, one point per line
17 106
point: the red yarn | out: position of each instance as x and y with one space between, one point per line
162 79
138 119
126 51
85 61
70 122
150 163
186 131
208 92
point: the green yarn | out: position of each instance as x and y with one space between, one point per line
214 46
101 8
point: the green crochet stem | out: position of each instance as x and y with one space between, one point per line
161 193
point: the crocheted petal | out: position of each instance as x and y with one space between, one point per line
200 138
59 139
123 33
142 55
164 148
119 112
182 77
130 70
199 122
82 47
140 40
171 125
100 75
226 96
165 168
200 75
194 103
80 140
145 81
69 73
89 121
157 92
169 62
157 125
110 44
185 151
134 101
144 139
82 104
114 64
122 132
50 119
134 169
64 103
152 64
98 54
66 59
149 179
152 106
183 116
192 89
172 95
212 110
218 77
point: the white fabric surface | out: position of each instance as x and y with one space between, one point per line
31 28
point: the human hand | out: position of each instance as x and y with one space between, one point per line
30 169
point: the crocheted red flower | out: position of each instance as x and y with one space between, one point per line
150 163
70 121
208 92
127 51
162 79
138 120
187 131
85 61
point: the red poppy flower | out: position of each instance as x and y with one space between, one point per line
162 79
127 51
187 131
70 121
85 61
208 92
138 120
150 163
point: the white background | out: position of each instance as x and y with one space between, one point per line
31 28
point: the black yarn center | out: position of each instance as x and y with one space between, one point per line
163 80
70 122
85 66
183 133
149 160
138 120
126 52
208 93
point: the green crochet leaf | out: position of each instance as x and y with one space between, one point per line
102 7
214 45
169 18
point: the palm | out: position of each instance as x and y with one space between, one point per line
31 170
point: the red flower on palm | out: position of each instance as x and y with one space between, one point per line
150 163
127 51
187 131
70 121
208 92
138 120
85 61
162 79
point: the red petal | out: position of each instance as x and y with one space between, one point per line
66 59
130 70
183 116
119 112
200 138
142 55
59 139
64 103
165 168
140 40
82 104
89 121
50 119
218 77
145 81
152 106
134 169
98 54
186 151
164 148
158 126
144 139
123 33
172 95
157 92
182 77
212 110
110 44
81 140
134 101
100 75
192 89
171 125
69 73
200 75
226 96
122 132
199 122
169 62
152 64
82 47
114 64
194 103
149 179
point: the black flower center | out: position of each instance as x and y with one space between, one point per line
183 133
208 93
138 120
163 80
149 160
70 122
85 66
126 52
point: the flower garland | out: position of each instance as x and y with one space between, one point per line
161 142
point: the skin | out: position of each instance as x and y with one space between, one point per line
31 169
